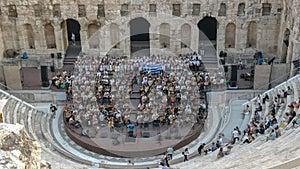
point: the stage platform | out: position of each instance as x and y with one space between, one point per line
144 143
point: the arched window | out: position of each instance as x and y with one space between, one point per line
50 36
266 9
93 36
230 35
114 35
185 36
164 35
29 36
252 34
222 10
241 9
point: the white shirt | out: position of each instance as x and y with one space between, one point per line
235 133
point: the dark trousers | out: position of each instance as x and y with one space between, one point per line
185 158
167 162
234 140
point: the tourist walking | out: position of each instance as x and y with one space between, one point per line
185 154
53 109
170 151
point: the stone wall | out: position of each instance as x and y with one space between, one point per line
262 77
289 29
12 77
19 30
279 74
261 25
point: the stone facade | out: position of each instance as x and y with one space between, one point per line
40 27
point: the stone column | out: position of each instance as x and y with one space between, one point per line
58 38
40 39
221 36
122 38
154 39
104 44
295 55
15 34
84 40
173 37
195 38
127 39
21 34
175 43
240 35
2 47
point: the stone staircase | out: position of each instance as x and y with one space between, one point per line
71 55
209 56
37 126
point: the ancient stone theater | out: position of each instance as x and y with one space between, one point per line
149 84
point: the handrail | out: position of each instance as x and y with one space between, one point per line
277 86
280 77
17 99
1 84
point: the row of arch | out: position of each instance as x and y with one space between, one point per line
230 35
164 35
49 34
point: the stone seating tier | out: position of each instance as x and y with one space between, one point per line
254 155
241 154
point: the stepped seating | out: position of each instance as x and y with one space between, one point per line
45 131
292 82
258 153
37 126
17 111
254 155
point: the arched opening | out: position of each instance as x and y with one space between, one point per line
230 35
241 9
252 35
50 36
285 45
29 37
208 30
73 27
139 36
8 38
185 36
93 36
164 35
114 35
222 10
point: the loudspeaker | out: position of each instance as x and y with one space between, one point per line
45 84
271 61
146 134
232 84
52 69
225 69
233 73
222 60
52 55
59 56
44 76
296 64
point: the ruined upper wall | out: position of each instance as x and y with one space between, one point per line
265 13
25 8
